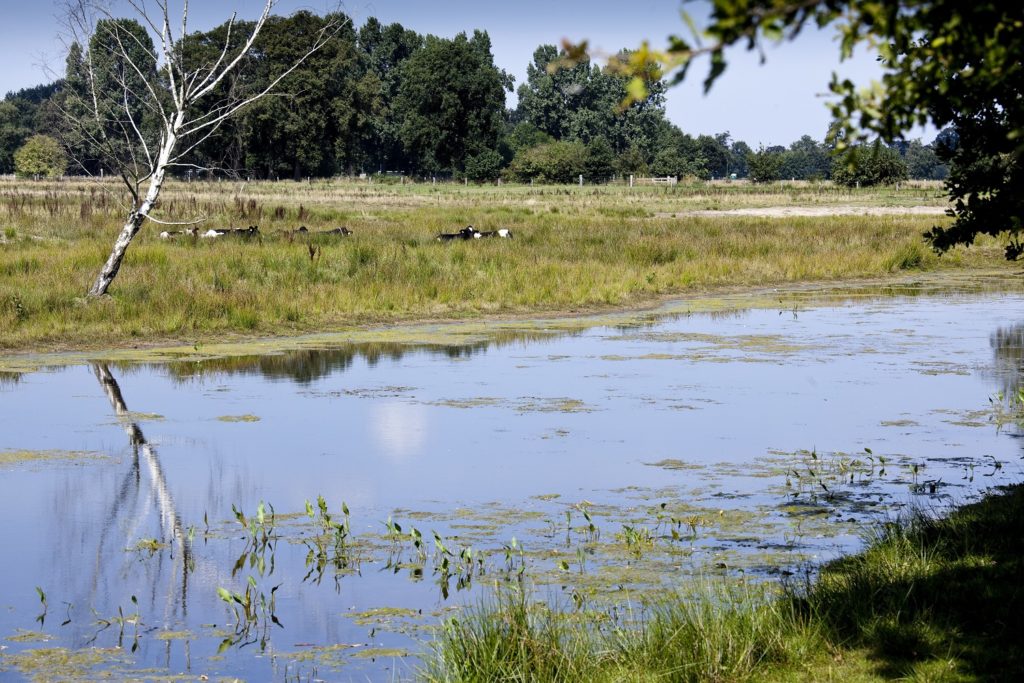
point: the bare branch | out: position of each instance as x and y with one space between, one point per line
323 35
207 86
196 221
223 53
135 67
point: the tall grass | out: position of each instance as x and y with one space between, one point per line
573 248
927 600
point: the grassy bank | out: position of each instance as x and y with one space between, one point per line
927 600
574 248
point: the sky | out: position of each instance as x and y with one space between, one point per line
771 103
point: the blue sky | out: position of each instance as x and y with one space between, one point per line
773 103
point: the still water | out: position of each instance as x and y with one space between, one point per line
593 468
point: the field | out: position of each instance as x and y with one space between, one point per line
574 249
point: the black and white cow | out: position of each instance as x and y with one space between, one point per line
467 233
504 233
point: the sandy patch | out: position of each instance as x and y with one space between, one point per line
814 211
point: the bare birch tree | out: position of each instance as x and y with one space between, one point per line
144 106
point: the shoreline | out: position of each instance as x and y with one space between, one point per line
483 327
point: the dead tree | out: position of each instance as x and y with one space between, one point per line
143 107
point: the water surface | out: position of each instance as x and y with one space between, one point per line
749 443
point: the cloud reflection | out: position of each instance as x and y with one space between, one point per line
400 429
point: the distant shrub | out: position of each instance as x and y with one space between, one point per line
41 155
878 165
483 166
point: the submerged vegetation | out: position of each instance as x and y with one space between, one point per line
929 599
574 249
583 597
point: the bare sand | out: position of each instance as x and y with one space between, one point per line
812 211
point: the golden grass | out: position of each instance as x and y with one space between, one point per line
574 248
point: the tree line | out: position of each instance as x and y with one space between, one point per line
386 99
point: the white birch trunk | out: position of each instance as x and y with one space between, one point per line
135 218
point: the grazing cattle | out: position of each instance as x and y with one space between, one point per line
171 234
500 232
247 233
303 230
467 233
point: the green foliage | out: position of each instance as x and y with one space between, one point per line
451 101
631 161
22 114
581 101
599 164
484 166
13 133
806 159
678 154
564 162
874 165
524 134
739 153
100 120
765 166
554 162
715 151
923 162
41 155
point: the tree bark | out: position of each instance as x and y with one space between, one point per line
134 222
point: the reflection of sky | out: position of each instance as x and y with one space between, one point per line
400 430
785 91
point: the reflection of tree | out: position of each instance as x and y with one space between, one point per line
307 365
144 461
9 377
1008 357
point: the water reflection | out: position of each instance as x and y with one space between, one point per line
1008 358
308 365
142 486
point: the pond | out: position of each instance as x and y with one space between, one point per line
163 518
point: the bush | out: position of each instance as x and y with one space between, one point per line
631 162
41 155
765 166
880 165
483 166
554 162
600 163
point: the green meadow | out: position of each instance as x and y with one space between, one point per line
574 249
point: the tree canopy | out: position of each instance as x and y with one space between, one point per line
384 98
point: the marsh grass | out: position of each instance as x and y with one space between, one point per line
574 248
927 600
